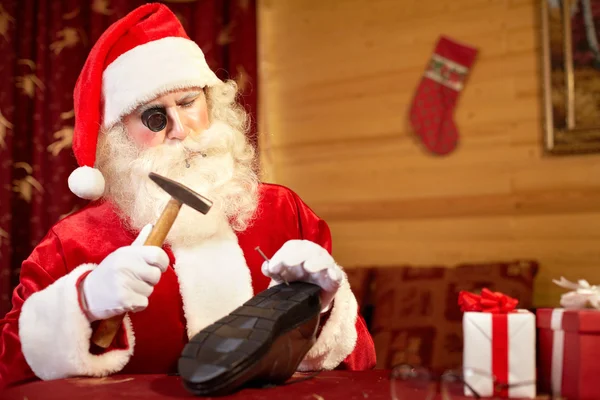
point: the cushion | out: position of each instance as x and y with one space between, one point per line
416 317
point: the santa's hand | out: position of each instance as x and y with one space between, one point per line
124 279
303 260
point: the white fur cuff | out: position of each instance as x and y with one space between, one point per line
338 336
55 334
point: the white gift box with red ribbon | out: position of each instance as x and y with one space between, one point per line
500 346
499 352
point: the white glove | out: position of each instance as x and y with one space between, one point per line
303 260
124 279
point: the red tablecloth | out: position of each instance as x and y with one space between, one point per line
330 385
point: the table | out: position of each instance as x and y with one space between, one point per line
328 385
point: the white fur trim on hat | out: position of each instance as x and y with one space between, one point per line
87 183
150 70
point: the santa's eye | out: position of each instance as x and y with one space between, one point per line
188 104
155 119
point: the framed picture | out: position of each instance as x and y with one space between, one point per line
571 72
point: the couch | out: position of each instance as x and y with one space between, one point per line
412 311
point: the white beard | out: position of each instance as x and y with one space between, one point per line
219 167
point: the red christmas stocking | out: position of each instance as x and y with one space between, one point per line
431 112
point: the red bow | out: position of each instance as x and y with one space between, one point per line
489 302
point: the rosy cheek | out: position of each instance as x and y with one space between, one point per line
146 139
204 119
198 120
198 116
152 140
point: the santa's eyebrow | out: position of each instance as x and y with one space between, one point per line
188 97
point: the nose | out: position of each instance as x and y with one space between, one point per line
175 129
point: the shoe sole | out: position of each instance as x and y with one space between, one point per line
225 355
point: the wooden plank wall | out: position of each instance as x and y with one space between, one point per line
337 78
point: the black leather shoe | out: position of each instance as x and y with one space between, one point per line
261 342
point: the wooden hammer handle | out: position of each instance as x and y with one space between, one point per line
104 335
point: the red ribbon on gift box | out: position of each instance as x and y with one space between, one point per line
488 301
499 305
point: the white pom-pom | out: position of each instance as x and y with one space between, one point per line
87 183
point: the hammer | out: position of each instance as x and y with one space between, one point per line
107 329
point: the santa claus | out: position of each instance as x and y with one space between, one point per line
146 101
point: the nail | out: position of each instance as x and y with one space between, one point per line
257 248
261 253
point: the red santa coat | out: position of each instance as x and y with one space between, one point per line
47 336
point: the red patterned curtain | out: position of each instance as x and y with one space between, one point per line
44 44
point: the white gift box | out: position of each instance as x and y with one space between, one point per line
501 346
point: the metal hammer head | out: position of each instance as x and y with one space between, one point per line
184 194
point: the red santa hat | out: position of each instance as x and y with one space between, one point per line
140 57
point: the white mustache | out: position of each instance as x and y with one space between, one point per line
215 140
